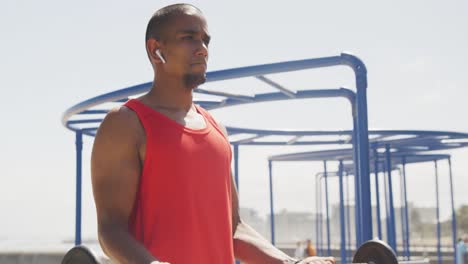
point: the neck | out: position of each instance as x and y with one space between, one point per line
171 94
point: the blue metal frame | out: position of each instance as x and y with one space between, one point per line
406 157
359 135
358 101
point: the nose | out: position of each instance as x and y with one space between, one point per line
202 50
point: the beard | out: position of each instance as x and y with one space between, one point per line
192 80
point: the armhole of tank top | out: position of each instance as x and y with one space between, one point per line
216 126
140 113
212 121
147 130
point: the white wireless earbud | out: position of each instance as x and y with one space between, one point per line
158 53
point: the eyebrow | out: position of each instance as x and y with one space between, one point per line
194 32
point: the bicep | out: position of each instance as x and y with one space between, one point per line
115 169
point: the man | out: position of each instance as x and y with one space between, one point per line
161 165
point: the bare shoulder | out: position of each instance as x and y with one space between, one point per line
120 122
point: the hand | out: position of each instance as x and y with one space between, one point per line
317 260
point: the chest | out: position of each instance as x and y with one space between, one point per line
191 119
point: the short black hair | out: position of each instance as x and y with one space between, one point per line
162 17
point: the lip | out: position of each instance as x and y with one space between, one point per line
198 64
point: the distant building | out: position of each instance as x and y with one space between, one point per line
251 217
294 226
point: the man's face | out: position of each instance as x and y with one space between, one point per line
186 48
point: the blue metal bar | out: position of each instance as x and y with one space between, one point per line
377 196
236 166
326 207
79 148
321 217
93 112
348 218
387 212
233 96
454 218
272 214
257 70
407 230
439 253
363 148
391 226
317 227
357 184
402 214
284 90
342 215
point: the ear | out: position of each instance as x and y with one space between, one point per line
151 46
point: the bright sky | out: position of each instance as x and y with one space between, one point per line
55 54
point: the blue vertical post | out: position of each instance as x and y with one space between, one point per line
348 219
390 208
377 197
342 214
407 230
236 166
272 215
320 219
402 214
387 212
325 175
317 227
357 184
363 153
79 148
439 253
236 173
454 218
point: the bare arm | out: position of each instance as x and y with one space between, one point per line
250 247
115 172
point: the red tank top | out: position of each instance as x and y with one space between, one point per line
182 211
